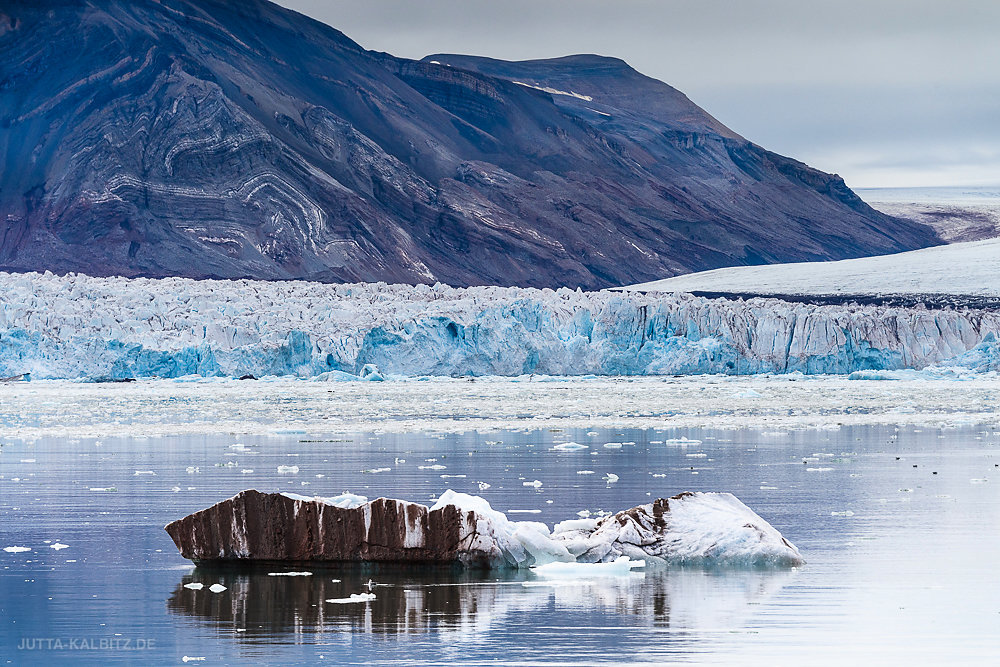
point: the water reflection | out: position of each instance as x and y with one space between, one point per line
259 606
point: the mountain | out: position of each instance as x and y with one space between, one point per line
239 139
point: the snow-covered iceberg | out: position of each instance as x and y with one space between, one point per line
689 528
113 328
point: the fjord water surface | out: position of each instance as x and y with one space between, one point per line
899 529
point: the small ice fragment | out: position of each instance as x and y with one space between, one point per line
189 658
175 489
27 460
683 442
192 470
16 550
979 480
844 513
612 445
247 471
195 586
282 470
569 447
483 486
768 488
584 472
436 466
144 472
452 476
289 574
397 461
610 478
58 545
239 447
536 483
376 470
698 455
583 513
818 469
105 489
659 474
216 588
524 511
355 597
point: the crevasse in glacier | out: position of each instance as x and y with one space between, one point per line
77 326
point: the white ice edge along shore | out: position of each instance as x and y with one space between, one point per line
77 326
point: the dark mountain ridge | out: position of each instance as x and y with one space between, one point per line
240 139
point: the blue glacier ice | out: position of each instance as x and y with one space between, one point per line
77 326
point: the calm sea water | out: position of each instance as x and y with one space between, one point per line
899 528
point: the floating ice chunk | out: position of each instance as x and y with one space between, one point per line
979 480
818 469
483 485
216 588
192 470
189 658
288 470
612 445
610 478
58 546
536 483
698 455
144 472
27 460
16 550
436 466
583 513
683 442
354 597
194 586
289 574
748 393
246 471
239 447
844 513
585 472
619 567
524 511
104 489
569 447
453 476
376 470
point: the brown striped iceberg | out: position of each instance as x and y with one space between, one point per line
686 529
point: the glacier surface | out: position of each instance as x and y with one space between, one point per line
76 326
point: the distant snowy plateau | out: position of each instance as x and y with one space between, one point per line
113 328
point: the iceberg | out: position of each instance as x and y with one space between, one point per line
460 529
106 329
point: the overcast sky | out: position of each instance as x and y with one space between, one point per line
887 93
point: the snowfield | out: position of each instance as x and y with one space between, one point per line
113 328
970 269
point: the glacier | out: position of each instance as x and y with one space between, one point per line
81 327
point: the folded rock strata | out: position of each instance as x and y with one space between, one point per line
689 528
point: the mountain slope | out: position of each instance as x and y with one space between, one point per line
239 139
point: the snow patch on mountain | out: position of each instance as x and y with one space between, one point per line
958 269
